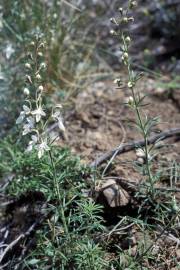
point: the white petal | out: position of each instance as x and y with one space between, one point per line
56 114
29 148
26 109
61 125
43 113
34 112
20 119
30 121
25 131
40 153
38 117
34 138
47 148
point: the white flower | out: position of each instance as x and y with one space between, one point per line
9 50
38 113
57 116
26 111
61 125
42 147
32 143
28 127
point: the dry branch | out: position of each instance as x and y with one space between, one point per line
132 145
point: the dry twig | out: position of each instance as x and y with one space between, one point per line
17 240
132 145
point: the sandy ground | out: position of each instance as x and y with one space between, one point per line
101 121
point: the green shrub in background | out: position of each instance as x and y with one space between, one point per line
67 55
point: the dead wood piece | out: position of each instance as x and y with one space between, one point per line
17 240
132 145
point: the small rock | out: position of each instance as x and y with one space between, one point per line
115 194
159 91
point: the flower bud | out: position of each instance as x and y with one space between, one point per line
27 65
117 81
120 10
41 88
43 65
55 15
28 78
130 100
113 20
125 19
128 39
38 76
41 45
133 4
32 43
112 32
125 56
130 85
40 54
26 91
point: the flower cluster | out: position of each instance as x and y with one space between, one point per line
34 117
135 101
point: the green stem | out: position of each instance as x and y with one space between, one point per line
146 141
56 189
141 124
56 186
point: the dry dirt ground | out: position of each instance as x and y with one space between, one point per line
100 121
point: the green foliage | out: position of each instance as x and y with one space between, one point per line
90 256
67 239
56 23
30 173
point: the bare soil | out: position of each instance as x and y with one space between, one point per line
99 122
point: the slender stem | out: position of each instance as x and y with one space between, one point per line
140 120
56 189
56 186
145 139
